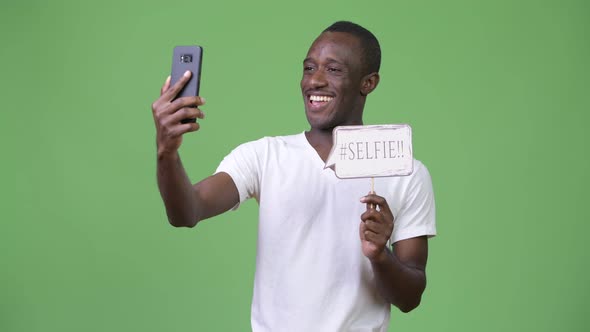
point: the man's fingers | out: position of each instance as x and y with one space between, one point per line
194 101
184 128
372 237
362 230
157 105
371 215
184 113
373 232
170 93
180 103
167 94
190 127
376 201
374 226
166 85
378 221
375 215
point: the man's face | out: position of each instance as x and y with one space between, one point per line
331 83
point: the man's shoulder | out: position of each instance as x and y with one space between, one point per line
419 166
420 172
419 175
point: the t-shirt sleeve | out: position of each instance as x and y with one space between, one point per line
416 216
243 166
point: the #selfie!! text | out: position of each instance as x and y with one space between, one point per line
372 150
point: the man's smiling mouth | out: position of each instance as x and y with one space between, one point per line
318 101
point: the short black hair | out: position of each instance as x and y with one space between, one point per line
370 45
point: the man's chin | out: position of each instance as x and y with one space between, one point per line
321 125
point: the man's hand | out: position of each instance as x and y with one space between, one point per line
169 113
376 227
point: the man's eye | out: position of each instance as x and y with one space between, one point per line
307 68
333 69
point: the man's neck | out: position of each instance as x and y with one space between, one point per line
321 141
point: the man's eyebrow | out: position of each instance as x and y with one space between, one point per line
329 60
334 60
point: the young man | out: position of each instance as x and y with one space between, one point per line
323 263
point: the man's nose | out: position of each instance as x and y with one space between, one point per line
318 79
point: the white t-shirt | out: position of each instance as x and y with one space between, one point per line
311 274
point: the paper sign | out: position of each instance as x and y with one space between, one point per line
371 151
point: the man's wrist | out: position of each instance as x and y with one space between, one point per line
382 257
167 155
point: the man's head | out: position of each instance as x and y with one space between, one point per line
340 70
371 51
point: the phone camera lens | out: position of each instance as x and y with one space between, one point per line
186 58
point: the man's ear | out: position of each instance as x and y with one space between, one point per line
369 83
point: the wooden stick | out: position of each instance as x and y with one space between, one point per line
372 206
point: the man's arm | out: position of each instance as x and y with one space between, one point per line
185 204
401 274
188 204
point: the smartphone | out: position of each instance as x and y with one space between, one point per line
187 58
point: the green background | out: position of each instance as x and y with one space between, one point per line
497 93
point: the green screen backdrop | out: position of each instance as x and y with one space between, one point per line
497 94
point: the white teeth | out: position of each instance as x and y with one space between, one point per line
320 98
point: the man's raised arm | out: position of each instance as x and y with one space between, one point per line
186 204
